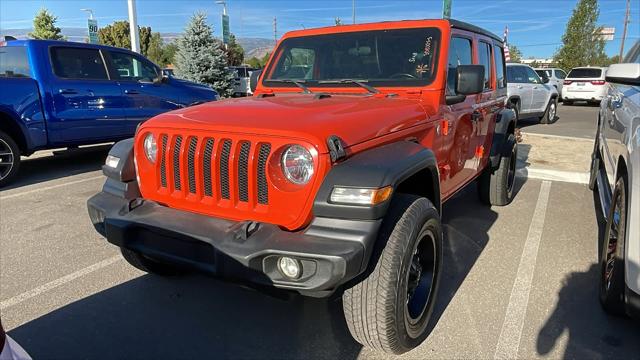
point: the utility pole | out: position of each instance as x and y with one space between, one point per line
624 30
353 11
275 30
133 27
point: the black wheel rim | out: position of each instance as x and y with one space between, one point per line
420 277
511 174
612 242
6 159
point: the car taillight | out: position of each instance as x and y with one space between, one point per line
567 82
597 82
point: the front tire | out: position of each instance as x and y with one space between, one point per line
9 159
496 187
551 112
390 309
612 283
148 265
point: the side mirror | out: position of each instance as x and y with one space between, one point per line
469 81
253 80
627 74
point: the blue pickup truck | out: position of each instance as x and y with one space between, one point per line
63 94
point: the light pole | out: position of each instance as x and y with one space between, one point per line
90 13
224 6
133 26
225 23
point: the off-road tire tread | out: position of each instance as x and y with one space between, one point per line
370 305
492 184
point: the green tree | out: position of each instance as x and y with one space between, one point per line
514 54
169 52
155 50
581 44
44 26
118 34
199 57
235 52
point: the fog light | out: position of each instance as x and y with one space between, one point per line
289 267
112 161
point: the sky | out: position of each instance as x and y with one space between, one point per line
535 26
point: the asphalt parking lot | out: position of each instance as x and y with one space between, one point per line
520 281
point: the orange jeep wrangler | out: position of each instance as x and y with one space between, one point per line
331 178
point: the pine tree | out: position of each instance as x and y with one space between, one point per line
200 57
235 52
581 44
44 26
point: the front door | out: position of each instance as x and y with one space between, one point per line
87 104
518 83
538 91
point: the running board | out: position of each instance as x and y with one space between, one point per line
604 193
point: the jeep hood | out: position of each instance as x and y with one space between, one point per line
354 118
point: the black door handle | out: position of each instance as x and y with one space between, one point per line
476 115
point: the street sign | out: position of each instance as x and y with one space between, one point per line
607 33
225 28
93 31
446 9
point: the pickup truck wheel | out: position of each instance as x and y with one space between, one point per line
550 113
148 265
612 255
495 187
390 309
9 159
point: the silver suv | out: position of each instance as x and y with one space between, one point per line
529 95
615 172
555 75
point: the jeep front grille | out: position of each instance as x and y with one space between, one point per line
218 168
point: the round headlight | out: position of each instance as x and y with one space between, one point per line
297 164
150 148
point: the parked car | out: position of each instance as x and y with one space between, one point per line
241 80
615 175
529 95
584 84
64 94
9 349
331 182
556 77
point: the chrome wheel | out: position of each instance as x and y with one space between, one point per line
7 159
552 111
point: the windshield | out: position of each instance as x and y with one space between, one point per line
400 57
585 73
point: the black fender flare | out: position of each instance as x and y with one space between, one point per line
387 165
121 180
511 98
504 119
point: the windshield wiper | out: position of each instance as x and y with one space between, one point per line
298 83
360 83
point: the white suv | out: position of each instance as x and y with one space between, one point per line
529 95
556 77
584 84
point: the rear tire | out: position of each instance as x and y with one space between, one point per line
149 265
390 309
612 283
9 159
496 187
550 114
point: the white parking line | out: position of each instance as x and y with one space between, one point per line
50 187
58 282
553 175
509 341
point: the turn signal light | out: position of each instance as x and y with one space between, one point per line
567 82
358 196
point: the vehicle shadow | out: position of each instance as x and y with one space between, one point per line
196 316
61 164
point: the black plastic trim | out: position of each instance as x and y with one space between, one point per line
126 169
387 165
457 24
506 117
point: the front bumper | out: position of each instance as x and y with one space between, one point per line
331 251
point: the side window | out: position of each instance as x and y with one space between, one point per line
560 74
129 67
516 74
14 62
459 54
532 77
78 63
499 61
484 59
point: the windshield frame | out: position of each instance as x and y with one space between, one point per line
330 83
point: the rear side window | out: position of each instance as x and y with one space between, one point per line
484 59
544 73
585 73
129 67
14 62
78 63
560 74
499 59
459 54
517 74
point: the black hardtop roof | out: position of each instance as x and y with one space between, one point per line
457 24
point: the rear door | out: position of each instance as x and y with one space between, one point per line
518 84
87 103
